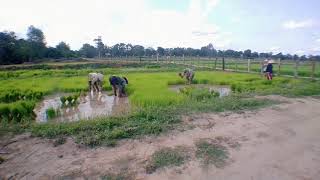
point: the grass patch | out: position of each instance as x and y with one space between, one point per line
166 157
51 113
211 153
124 175
157 109
59 141
151 120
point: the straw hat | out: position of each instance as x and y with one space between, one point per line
271 61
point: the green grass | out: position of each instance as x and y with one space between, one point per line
166 157
211 153
156 108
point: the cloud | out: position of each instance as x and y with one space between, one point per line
200 33
116 21
274 49
316 49
300 52
298 24
318 40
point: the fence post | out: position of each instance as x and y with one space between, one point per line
157 57
215 63
296 68
261 65
279 66
249 64
223 63
236 64
313 68
183 59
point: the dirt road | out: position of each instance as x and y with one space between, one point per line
280 142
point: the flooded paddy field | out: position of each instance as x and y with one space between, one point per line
91 105
222 90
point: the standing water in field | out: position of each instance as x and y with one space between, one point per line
222 90
88 106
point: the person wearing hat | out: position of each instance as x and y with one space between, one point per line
118 84
269 70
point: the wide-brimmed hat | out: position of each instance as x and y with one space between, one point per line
271 62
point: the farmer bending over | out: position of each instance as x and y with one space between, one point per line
95 81
188 74
118 84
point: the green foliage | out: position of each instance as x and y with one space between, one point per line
211 153
70 100
52 113
199 94
17 112
166 157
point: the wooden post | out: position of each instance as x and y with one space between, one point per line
279 66
249 63
223 63
215 63
313 69
296 68
157 57
183 59
236 62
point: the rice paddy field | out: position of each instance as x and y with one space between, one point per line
154 107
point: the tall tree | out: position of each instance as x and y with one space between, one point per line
100 46
37 42
88 51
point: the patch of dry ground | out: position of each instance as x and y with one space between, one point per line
279 142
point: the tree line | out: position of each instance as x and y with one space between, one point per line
14 50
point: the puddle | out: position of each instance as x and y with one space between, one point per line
223 90
89 106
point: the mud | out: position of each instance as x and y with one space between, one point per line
272 143
223 90
89 106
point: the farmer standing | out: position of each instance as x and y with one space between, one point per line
188 74
118 84
269 70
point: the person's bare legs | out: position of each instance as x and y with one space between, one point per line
114 88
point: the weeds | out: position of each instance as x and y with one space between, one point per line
59 141
211 153
166 157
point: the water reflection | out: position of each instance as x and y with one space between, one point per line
89 106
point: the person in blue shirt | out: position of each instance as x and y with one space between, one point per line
269 70
118 85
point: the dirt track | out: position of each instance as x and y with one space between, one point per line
280 142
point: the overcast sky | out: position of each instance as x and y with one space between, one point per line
289 26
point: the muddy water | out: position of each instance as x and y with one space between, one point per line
90 106
223 90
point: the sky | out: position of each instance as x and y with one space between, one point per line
288 26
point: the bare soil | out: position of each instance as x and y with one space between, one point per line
278 142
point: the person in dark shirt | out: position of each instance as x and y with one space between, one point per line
269 70
118 84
